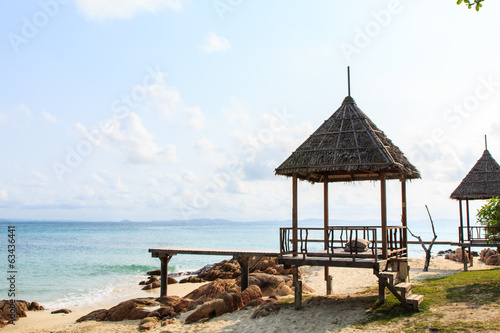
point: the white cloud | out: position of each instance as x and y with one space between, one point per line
51 118
129 134
3 194
205 144
108 180
123 9
236 113
214 43
168 103
19 117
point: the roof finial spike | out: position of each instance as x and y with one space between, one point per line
485 142
348 81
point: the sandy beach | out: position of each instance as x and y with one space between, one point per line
335 313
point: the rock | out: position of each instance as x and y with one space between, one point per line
268 284
66 311
459 257
265 309
127 310
192 279
164 312
19 308
182 305
212 290
97 315
254 303
486 253
148 323
251 293
168 300
493 260
34 306
226 269
156 284
156 272
207 310
167 322
171 280
232 301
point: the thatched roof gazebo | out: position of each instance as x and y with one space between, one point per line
348 147
481 183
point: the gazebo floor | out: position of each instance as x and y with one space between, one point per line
315 260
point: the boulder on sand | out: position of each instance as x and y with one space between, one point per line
128 310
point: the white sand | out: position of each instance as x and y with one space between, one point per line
333 314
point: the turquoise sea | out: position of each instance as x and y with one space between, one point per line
74 264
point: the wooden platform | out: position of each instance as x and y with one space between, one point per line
158 252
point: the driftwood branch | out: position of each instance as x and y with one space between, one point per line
427 250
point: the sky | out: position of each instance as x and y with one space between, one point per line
182 109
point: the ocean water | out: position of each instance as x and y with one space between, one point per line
81 263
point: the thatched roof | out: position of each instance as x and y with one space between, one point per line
482 181
347 147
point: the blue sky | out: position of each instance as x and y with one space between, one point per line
174 109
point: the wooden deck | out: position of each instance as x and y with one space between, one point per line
158 252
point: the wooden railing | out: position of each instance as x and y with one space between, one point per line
479 234
338 241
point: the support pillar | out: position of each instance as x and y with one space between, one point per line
295 219
243 261
298 288
383 214
325 235
164 274
461 235
404 218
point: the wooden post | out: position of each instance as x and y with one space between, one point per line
468 230
164 274
461 234
404 218
383 213
243 261
325 234
298 288
294 215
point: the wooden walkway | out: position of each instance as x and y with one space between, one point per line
242 256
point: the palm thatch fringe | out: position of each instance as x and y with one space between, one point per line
482 181
348 147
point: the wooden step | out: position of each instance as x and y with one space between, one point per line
404 289
415 300
393 277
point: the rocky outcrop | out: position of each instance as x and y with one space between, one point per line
11 311
192 279
457 255
267 308
127 310
493 260
213 290
207 310
230 269
153 282
489 257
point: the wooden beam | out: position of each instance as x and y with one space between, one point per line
164 274
298 288
383 214
468 218
404 218
295 219
325 225
461 234
243 261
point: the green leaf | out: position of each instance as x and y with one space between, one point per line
459 2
